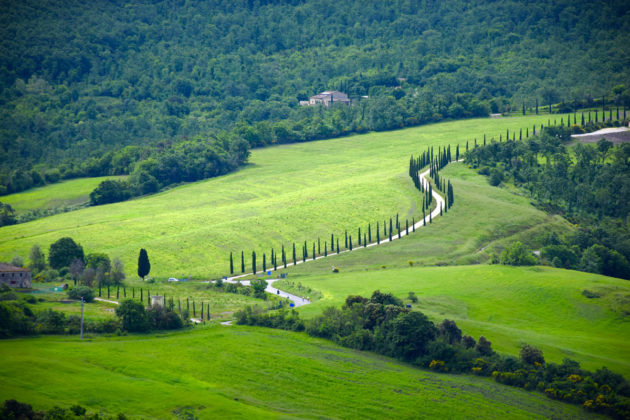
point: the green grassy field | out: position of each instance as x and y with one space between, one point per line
62 194
288 193
510 306
242 372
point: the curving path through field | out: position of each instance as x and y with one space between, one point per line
425 183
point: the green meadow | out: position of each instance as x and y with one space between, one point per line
242 372
288 193
74 192
510 306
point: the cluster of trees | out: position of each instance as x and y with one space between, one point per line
67 261
80 86
12 409
589 185
384 325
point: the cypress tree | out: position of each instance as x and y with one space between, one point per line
582 117
430 218
610 112
144 266
319 246
264 263
254 262
520 135
413 224
406 226
441 209
194 310
424 218
364 240
337 246
332 242
574 118
466 145
325 249
275 257
359 236
208 311
589 115
346 233
397 223
390 229
231 264
350 242
304 252
378 234
527 132
284 257
399 232
187 305
596 118
370 232
294 259
457 152
242 262
202 310
314 255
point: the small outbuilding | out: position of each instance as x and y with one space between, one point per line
15 276
327 98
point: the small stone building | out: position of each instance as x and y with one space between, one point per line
327 98
15 276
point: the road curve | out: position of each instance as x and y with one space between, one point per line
425 183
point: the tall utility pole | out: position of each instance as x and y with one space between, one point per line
82 318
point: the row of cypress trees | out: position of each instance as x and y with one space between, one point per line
436 161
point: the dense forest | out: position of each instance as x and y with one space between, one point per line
79 80
587 184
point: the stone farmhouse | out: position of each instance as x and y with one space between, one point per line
15 276
327 98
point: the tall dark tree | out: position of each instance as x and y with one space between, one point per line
253 262
231 264
294 255
242 262
144 266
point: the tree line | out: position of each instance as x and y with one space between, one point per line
589 185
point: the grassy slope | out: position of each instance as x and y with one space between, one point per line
62 194
289 193
240 372
510 306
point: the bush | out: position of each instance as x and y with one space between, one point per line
517 254
132 315
51 322
531 355
161 319
81 292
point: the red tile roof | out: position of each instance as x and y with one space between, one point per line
8 268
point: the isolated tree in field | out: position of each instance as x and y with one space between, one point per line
231 264
63 252
144 266
37 261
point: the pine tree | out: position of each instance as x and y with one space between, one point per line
231 265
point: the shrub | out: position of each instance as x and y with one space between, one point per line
51 322
81 292
531 355
517 254
412 297
132 315
161 319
